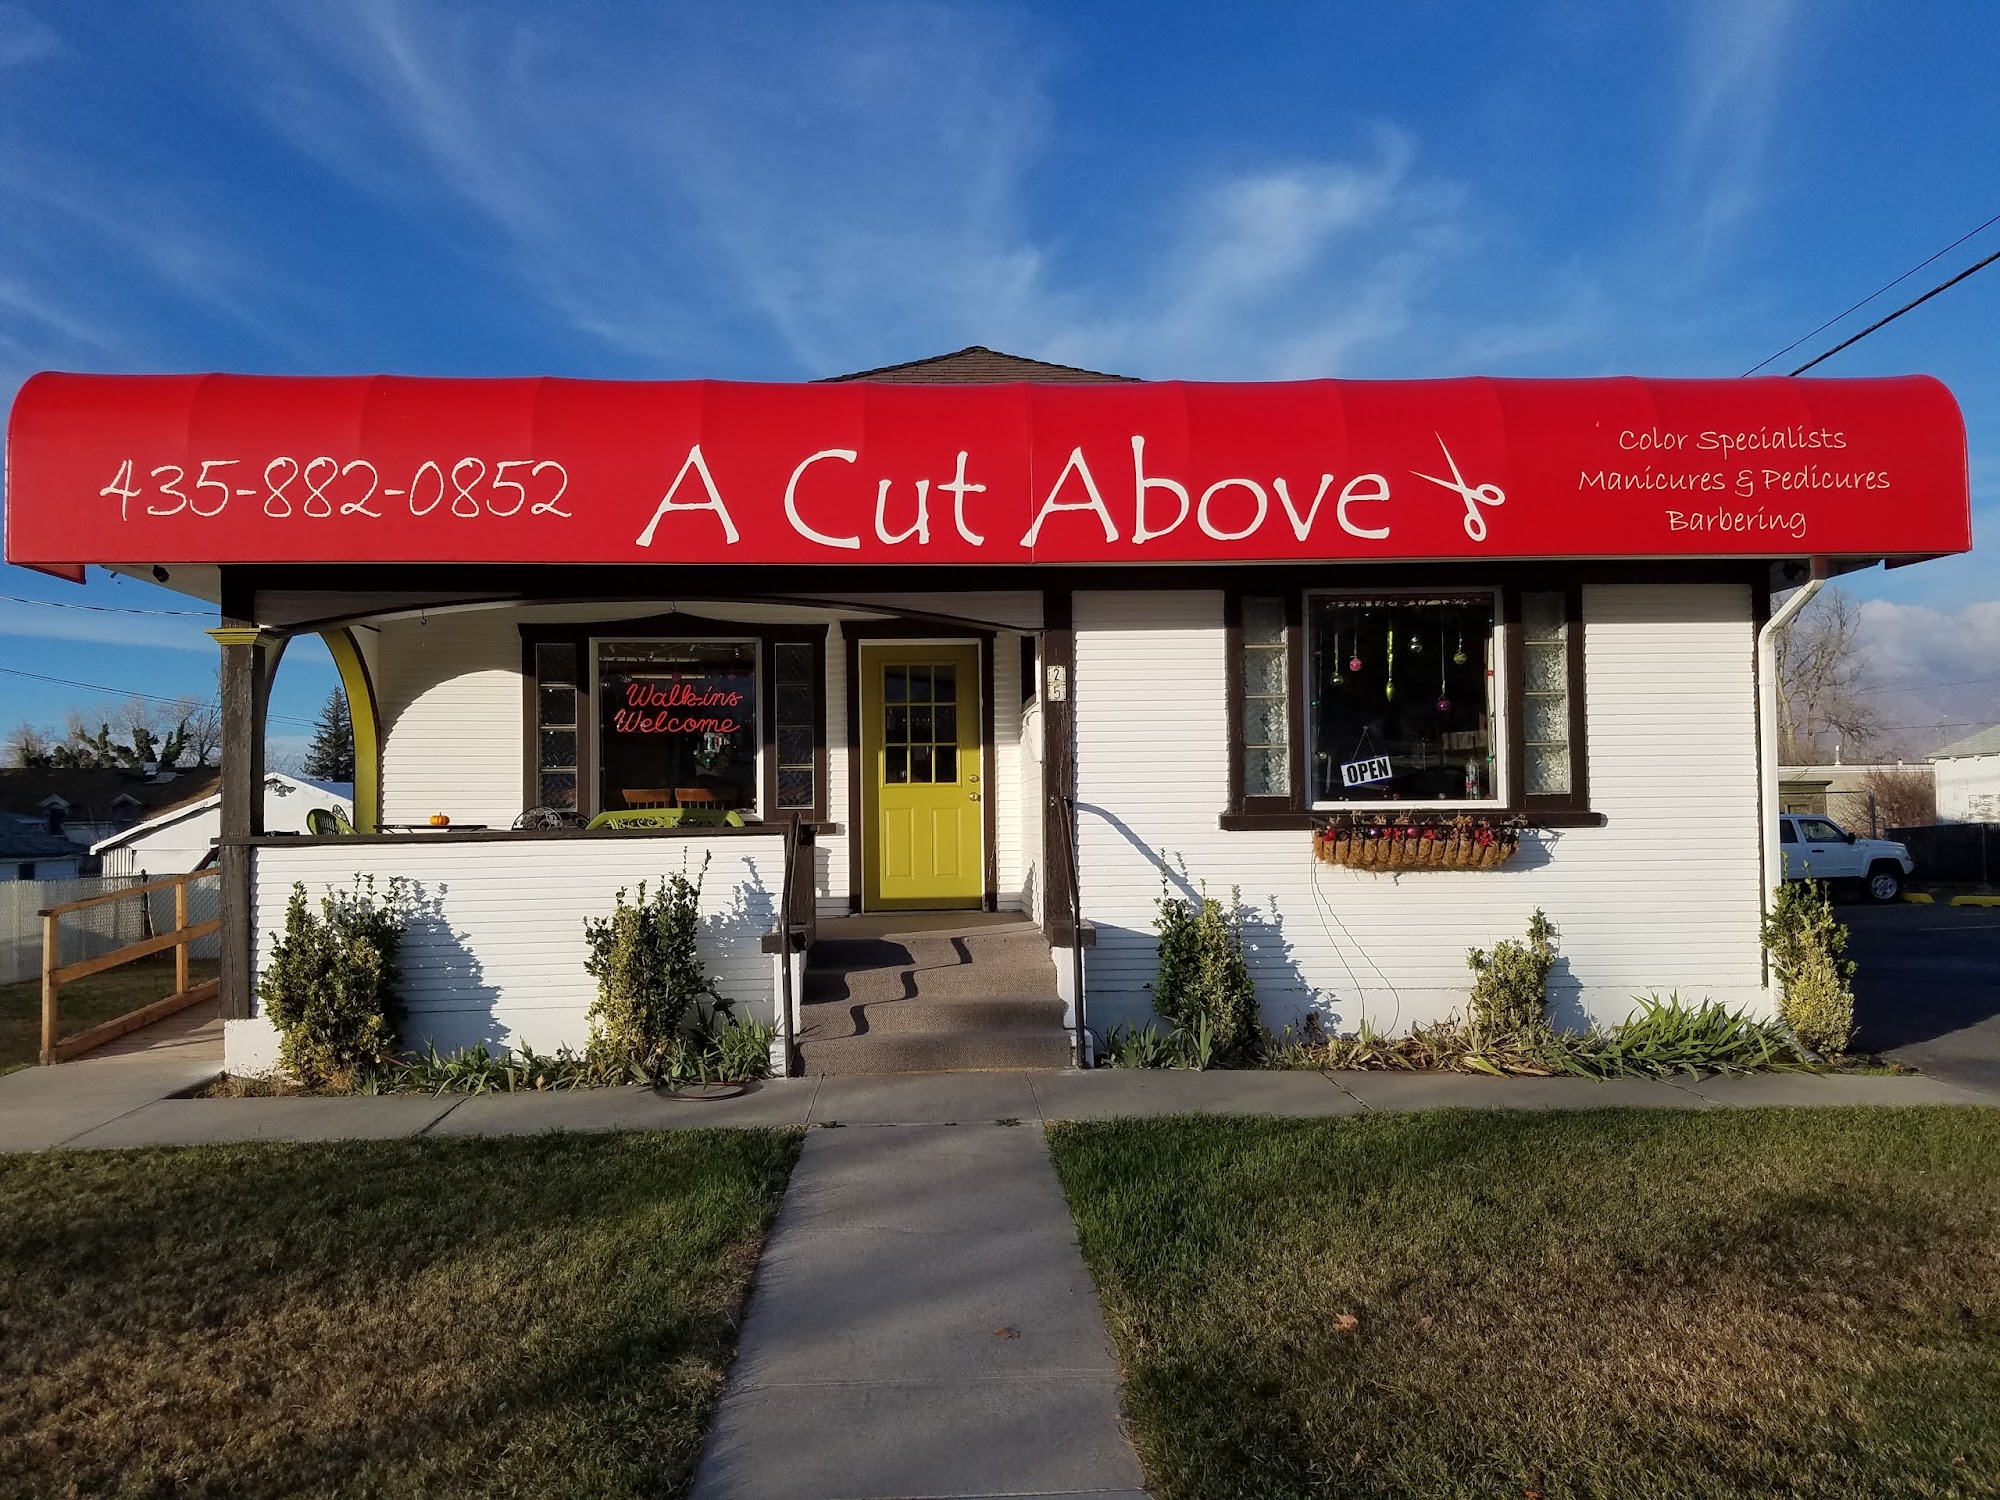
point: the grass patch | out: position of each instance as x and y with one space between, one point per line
86 1002
550 1316
1608 1304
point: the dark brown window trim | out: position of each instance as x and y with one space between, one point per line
680 626
1569 810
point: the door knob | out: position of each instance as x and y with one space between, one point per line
973 796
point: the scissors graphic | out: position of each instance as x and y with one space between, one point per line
1474 495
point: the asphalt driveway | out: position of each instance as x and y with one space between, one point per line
1927 987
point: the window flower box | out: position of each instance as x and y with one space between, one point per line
1384 842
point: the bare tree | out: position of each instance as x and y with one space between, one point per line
28 745
1822 700
204 732
1903 797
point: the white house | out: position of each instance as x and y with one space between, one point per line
980 642
1968 779
183 837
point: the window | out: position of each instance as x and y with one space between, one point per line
675 710
1402 699
555 778
1545 695
1821 831
1265 667
677 724
796 712
1785 833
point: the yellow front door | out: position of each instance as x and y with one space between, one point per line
923 781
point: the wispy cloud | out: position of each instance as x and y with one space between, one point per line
24 39
86 627
1738 56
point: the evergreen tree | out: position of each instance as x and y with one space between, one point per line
330 757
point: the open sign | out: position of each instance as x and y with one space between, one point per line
1361 772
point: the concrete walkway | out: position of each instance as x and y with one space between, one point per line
123 1101
922 1325
44 1107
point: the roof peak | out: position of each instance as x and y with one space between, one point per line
976 364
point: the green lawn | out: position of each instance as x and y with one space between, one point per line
542 1317
1614 1304
85 1002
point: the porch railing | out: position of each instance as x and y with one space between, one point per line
798 922
55 973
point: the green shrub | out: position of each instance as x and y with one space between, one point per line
648 970
1148 1047
330 986
1805 942
1510 994
1204 987
1671 1036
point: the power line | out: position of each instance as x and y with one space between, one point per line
1920 687
1942 286
98 687
102 609
1873 295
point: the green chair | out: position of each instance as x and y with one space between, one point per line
328 822
668 817
638 817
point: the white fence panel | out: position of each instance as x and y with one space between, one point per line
85 934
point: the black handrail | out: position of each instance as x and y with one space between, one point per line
785 941
1067 802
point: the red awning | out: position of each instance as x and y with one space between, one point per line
246 469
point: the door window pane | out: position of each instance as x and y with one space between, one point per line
1402 698
677 717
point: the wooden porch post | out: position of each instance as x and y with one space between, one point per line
247 659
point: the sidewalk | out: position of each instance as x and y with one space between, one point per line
122 1101
922 1325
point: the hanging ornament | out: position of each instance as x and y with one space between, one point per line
1389 651
1458 656
1416 644
1444 695
1354 661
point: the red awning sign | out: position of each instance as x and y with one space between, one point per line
242 469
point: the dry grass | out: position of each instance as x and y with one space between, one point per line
546 1317
1615 1304
83 1003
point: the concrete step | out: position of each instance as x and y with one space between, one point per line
941 984
936 1051
930 991
910 1017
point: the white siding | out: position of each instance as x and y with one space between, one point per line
1003 777
450 691
835 848
496 954
1034 898
1663 897
1968 789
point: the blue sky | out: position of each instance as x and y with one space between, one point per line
780 192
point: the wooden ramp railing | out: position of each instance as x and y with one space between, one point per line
55 973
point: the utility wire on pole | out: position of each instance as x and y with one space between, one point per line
1942 286
1939 255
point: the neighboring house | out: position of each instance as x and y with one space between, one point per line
182 837
1968 778
31 854
85 807
1840 792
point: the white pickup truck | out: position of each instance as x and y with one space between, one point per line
1817 848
